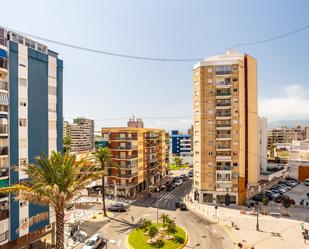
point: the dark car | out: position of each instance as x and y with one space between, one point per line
167 183
176 179
190 174
184 177
117 207
171 187
181 205
259 197
292 179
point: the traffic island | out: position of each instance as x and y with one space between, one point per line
150 235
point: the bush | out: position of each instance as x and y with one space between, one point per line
159 244
179 240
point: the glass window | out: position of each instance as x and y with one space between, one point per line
23 122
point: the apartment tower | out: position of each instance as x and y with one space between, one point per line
30 124
226 151
138 158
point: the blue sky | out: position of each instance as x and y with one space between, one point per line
103 87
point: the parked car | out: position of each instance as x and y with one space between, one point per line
166 183
259 197
306 182
80 235
176 179
162 187
178 182
94 242
190 174
184 177
292 201
118 207
292 179
170 187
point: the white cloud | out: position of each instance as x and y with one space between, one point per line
294 104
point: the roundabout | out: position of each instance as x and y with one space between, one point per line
152 235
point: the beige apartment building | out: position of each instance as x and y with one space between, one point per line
226 150
138 160
285 134
81 134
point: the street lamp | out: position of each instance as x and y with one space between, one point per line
257 207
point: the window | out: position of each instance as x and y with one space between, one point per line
210 122
235 164
196 93
196 83
197 113
196 102
209 70
210 153
210 164
209 81
197 133
23 122
197 122
235 100
22 82
23 103
210 92
52 90
210 112
235 90
234 80
223 69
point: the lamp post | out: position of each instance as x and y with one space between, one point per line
257 207
115 189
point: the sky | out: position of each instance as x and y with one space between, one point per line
104 88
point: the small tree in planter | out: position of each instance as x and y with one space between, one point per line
171 229
285 200
152 233
177 161
164 218
265 202
146 225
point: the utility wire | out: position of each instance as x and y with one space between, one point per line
136 57
271 39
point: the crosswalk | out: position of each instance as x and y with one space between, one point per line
165 196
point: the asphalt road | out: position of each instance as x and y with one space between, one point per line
201 231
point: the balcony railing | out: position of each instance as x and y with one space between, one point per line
127 175
3 64
223 136
3 41
128 166
223 72
125 157
128 147
4 214
4 173
224 125
222 115
223 147
3 129
4 195
125 138
155 136
4 236
223 93
4 108
3 85
3 151
223 104
223 168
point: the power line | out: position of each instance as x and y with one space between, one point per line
272 38
137 57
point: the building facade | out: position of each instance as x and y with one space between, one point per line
226 151
138 158
81 134
285 135
180 144
263 143
31 124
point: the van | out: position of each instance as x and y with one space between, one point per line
306 182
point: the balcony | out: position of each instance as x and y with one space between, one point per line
223 95
125 157
128 147
225 126
4 173
223 147
223 137
4 195
3 66
223 83
3 151
223 158
152 136
128 166
224 72
150 145
223 115
129 175
4 85
4 236
124 138
3 130
4 214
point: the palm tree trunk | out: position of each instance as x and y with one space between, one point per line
103 190
59 229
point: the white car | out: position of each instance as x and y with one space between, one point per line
178 182
94 242
306 182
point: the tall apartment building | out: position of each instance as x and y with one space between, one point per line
285 135
181 144
226 151
30 124
138 158
263 143
81 134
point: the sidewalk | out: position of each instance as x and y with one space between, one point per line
274 232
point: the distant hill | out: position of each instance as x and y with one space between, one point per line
288 123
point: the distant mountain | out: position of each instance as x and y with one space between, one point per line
288 123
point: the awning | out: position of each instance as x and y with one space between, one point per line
3 53
4 183
4 99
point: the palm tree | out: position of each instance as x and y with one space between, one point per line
53 182
164 218
146 225
153 231
66 144
171 227
103 157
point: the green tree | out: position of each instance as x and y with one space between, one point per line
171 227
152 232
66 144
164 218
146 224
285 200
103 157
177 161
53 182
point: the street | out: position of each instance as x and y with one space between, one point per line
202 233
